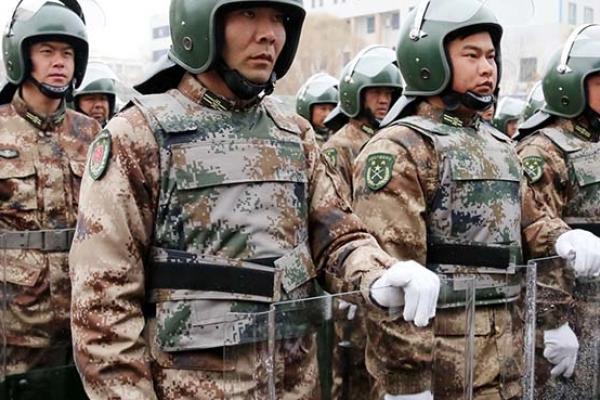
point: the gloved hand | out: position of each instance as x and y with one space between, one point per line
426 395
421 290
583 249
560 348
344 305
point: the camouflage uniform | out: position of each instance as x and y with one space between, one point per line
435 174
191 173
562 194
41 163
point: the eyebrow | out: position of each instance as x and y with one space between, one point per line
476 48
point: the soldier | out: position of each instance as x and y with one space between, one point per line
96 97
209 202
508 114
43 147
561 212
315 100
369 85
535 102
441 187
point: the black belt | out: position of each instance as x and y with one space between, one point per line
45 240
463 254
593 228
204 276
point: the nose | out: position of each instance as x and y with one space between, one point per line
487 66
266 31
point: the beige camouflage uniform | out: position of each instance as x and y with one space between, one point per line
225 183
41 164
562 192
434 181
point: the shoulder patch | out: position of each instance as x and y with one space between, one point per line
331 155
99 155
379 170
533 166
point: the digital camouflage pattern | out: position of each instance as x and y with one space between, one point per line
454 181
566 194
241 184
41 163
346 144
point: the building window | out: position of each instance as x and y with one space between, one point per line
158 54
528 70
395 21
572 14
371 24
588 15
160 32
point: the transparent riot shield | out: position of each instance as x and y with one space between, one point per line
279 353
35 348
561 297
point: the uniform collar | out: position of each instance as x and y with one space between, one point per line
580 127
366 128
192 88
451 118
44 123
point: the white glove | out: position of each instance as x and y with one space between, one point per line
344 305
583 249
560 348
426 395
421 290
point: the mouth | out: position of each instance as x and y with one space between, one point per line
263 57
484 88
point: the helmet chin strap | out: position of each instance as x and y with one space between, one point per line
452 100
372 121
242 87
52 92
594 120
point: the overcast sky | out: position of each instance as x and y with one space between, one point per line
127 31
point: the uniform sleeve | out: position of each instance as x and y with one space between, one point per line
543 202
395 215
340 243
342 163
114 230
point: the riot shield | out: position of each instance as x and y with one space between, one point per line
35 348
275 354
561 297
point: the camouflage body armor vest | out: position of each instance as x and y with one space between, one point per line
231 233
474 219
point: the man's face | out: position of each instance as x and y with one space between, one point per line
473 64
254 38
511 127
378 100
95 106
319 113
592 84
488 114
52 63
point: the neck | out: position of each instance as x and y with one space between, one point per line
437 102
213 82
37 101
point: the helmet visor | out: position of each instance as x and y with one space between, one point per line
372 60
96 71
511 106
88 10
537 94
587 43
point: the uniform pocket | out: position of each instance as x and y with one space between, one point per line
17 185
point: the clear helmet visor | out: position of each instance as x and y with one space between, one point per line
372 60
320 83
89 11
96 71
511 106
536 94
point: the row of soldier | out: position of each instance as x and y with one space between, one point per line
205 198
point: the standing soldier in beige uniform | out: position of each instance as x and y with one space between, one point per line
315 100
561 212
43 148
440 186
369 85
96 97
207 203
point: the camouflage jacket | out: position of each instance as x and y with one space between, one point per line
41 164
121 209
434 179
342 148
560 162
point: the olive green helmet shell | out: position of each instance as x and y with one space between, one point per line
99 79
52 21
509 109
318 89
374 66
194 31
535 101
421 52
564 79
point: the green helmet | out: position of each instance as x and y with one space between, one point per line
374 66
319 89
421 49
509 109
99 79
564 80
52 20
196 34
535 101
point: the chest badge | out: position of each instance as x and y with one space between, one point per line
100 155
533 166
331 155
379 170
9 153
